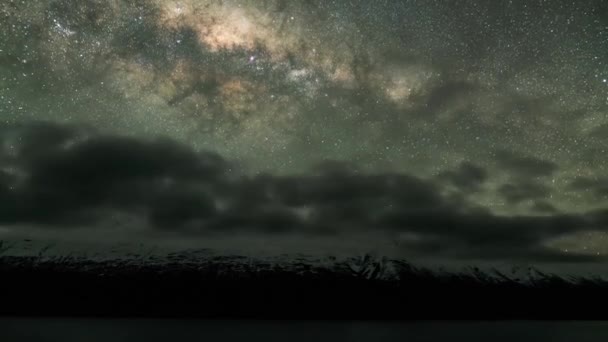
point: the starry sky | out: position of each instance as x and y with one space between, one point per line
455 130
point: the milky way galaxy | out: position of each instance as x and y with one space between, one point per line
491 114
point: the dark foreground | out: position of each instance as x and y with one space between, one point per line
99 330
239 288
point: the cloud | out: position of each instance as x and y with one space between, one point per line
467 177
542 206
517 193
447 94
598 186
65 176
600 132
525 166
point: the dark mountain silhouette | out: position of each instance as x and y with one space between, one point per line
197 283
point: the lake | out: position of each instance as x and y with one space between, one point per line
133 330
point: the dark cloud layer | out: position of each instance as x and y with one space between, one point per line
61 176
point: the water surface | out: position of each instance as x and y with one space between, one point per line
133 330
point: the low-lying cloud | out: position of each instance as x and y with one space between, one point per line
66 177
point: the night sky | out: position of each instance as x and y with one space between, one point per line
452 130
